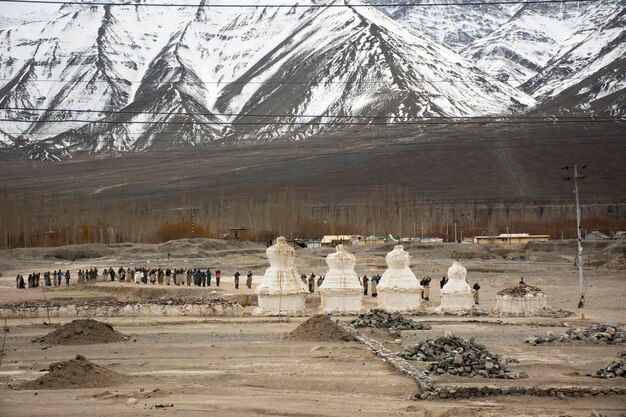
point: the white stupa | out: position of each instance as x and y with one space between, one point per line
341 291
399 289
281 291
456 295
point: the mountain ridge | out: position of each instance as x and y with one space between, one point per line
198 76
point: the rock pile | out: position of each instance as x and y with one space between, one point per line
380 319
75 373
614 369
609 333
320 328
456 356
520 290
82 332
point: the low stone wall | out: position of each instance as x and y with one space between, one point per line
450 391
156 308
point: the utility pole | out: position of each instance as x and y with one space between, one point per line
579 253
455 222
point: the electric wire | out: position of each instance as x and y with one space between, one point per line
297 5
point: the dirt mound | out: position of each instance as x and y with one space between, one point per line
520 290
320 328
75 373
82 332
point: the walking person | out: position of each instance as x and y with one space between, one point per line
203 277
365 283
237 275
312 283
476 287
67 277
249 279
209 274
218 276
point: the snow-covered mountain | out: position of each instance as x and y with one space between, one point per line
129 78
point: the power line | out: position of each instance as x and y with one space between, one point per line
237 82
305 6
313 123
547 119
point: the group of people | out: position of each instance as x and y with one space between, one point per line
373 283
311 281
49 279
201 277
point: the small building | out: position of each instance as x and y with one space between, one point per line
506 239
334 240
597 235
240 234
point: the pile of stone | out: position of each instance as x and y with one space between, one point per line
613 369
380 319
456 356
609 333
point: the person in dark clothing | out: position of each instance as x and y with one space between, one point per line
476 287
67 277
209 274
312 283
365 283
425 282
20 283
218 276
443 282
237 275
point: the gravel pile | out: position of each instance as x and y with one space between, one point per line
75 373
82 332
456 356
380 319
320 328
614 369
609 333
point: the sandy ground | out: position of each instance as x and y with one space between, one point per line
243 366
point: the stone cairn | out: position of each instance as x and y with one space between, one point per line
614 369
456 356
456 295
281 291
341 292
520 300
609 333
380 319
399 290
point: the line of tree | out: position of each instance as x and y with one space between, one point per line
27 220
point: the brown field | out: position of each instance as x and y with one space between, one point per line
242 366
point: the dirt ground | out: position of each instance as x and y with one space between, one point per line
244 366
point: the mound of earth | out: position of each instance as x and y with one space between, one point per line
520 290
82 332
320 328
75 373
